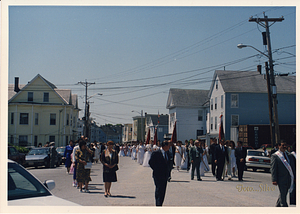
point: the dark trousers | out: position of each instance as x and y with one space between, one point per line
220 167
283 191
160 190
240 167
195 165
75 169
213 167
293 196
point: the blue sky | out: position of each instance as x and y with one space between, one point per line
136 54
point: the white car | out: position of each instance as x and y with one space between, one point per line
256 159
24 189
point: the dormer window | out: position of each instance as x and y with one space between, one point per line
46 97
30 97
217 85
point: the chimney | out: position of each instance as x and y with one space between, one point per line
17 89
259 69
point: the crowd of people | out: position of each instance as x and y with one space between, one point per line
226 158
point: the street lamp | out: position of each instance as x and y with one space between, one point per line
273 114
141 123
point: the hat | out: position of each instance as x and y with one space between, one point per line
51 144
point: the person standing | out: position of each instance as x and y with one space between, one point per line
74 162
190 145
240 155
67 155
178 155
283 172
147 155
53 154
171 155
159 163
233 159
212 152
140 153
195 159
227 166
220 157
110 160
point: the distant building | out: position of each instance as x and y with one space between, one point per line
127 133
189 108
112 132
159 122
96 133
39 112
138 127
241 97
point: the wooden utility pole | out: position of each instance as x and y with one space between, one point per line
264 22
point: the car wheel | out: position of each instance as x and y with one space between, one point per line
254 169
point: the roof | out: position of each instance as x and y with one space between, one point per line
253 82
187 98
163 119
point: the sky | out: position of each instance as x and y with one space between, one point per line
134 55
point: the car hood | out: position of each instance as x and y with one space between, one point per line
35 157
41 201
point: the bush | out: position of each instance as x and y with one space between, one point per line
20 148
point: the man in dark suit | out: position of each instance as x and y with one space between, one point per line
283 171
160 163
212 153
240 155
221 155
196 153
171 155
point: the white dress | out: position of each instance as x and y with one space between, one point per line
140 154
204 167
129 151
184 159
178 154
133 153
121 153
233 159
147 155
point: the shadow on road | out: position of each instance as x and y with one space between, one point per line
179 181
122 196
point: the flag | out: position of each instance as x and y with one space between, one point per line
221 131
155 137
148 136
174 134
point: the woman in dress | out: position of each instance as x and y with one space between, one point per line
233 159
67 155
147 155
121 153
184 157
133 152
140 153
178 154
110 160
204 163
83 155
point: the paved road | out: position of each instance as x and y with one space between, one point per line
135 187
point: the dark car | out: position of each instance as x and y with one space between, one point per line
15 155
41 157
61 151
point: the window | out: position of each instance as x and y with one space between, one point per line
217 86
216 123
222 99
67 120
30 97
212 123
35 140
67 139
160 129
52 138
46 97
36 119
234 120
234 101
52 119
23 140
211 104
216 101
206 113
12 115
74 122
200 115
23 118
199 132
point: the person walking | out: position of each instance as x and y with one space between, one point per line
227 166
83 157
195 159
283 172
212 152
178 155
110 160
159 163
220 157
233 159
240 155
67 155
74 162
53 154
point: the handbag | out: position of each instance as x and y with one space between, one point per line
71 169
88 165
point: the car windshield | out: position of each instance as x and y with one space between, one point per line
60 149
256 153
38 152
21 184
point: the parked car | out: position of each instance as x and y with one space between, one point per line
24 189
61 151
29 147
15 155
257 159
41 157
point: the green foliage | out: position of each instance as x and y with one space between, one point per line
20 148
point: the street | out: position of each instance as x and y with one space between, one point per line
135 187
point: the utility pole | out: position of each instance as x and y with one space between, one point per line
264 22
86 108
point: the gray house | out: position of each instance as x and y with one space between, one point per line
160 122
189 108
241 97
